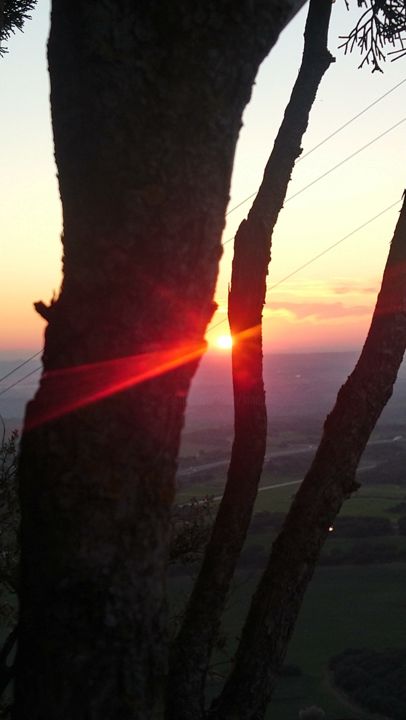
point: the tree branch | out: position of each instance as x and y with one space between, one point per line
330 480
383 22
13 14
192 649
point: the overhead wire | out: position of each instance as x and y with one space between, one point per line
20 380
334 245
25 362
272 287
355 117
331 135
346 159
335 167
313 182
320 254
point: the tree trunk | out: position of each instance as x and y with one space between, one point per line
7 669
330 480
191 653
147 101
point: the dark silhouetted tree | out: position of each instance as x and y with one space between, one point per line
9 553
13 14
382 24
147 100
329 481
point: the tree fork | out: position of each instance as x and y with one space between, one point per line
191 653
329 481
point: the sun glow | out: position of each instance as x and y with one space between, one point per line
72 388
224 342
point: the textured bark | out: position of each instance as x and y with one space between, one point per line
7 669
147 101
330 480
191 653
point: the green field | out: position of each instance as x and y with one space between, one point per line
359 606
368 500
344 607
374 500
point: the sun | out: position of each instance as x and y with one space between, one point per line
224 342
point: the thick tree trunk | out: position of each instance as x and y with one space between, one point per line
146 105
330 480
191 653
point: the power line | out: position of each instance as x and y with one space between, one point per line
355 117
335 167
331 247
349 157
11 372
17 382
313 182
328 137
320 254
315 147
272 287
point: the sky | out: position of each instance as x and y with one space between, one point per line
325 306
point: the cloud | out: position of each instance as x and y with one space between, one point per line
323 290
319 310
352 287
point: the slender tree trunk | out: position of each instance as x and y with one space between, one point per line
191 653
147 101
330 480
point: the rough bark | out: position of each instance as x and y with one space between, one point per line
329 481
147 101
191 653
7 668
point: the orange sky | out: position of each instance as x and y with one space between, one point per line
328 304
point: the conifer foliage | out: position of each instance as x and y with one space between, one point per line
13 14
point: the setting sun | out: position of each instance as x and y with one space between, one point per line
224 342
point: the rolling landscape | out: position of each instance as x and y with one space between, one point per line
357 597
358 594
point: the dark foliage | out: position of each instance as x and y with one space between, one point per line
191 525
12 18
402 525
399 508
362 526
363 554
374 680
253 556
264 520
382 23
290 670
312 713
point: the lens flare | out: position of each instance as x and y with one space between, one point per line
224 342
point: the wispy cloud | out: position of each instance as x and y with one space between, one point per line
318 310
353 287
321 289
